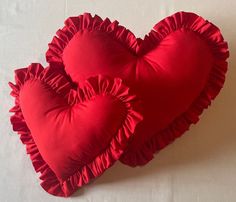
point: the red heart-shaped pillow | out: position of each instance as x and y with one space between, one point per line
73 134
176 70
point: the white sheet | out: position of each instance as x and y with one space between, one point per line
199 167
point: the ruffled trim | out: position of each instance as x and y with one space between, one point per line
86 21
57 80
211 34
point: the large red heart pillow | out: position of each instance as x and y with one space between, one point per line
176 70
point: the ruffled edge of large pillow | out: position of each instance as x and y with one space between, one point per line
56 79
212 35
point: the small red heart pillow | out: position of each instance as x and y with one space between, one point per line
73 134
176 70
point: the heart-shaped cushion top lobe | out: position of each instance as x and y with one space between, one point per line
176 70
72 133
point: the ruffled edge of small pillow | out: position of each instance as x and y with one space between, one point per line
212 35
58 81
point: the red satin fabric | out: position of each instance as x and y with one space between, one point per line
107 95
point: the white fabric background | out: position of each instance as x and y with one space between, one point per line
199 167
